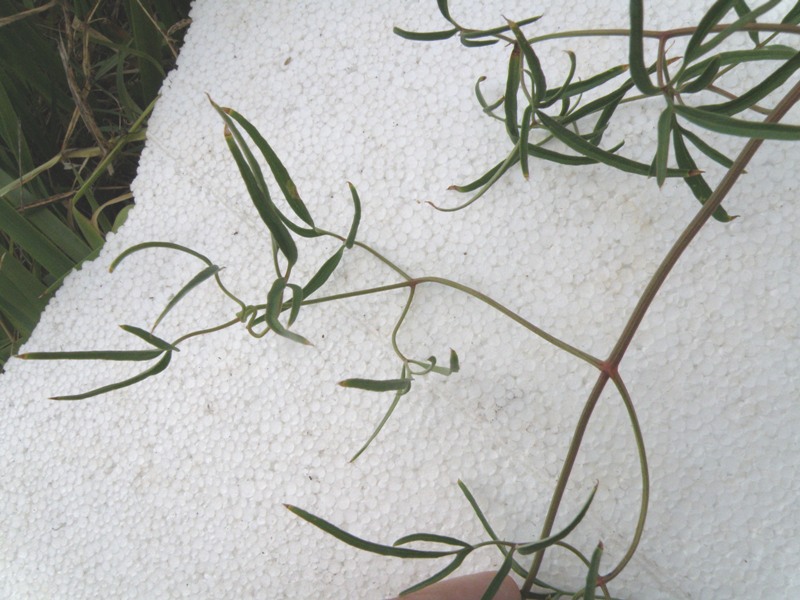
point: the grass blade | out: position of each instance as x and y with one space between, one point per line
739 127
356 542
636 50
193 283
154 370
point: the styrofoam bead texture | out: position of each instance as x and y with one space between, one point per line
174 487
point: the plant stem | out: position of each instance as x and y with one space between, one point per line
611 365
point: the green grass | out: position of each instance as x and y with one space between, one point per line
78 79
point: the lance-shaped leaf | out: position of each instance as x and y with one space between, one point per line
705 78
592 575
378 385
445 10
539 81
297 302
118 355
612 100
739 127
713 16
511 159
401 390
793 16
774 80
433 538
697 183
662 146
193 283
523 140
154 370
588 149
325 271
425 36
478 33
470 43
736 26
351 236
527 549
636 50
273 311
146 245
282 178
261 199
706 149
554 96
487 108
512 86
497 580
579 87
454 564
357 542
148 337
738 57
741 8
491 175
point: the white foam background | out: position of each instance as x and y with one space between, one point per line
174 487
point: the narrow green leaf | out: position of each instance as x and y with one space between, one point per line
491 174
793 16
760 91
528 549
284 181
39 246
603 103
580 87
713 16
512 86
478 33
707 149
193 283
267 210
497 580
736 26
145 245
705 78
273 310
378 385
739 127
511 159
591 576
154 370
321 276
119 355
588 149
356 542
399 394
459 558
662 147
539 81
636 50
443 8
470 43
455 367
426 36
697 183
554 96
741 8
150 338
351 236
297 302
487 108
431 537
523 140
738 57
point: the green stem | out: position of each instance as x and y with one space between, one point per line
611 365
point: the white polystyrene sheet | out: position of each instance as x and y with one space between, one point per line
174 487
